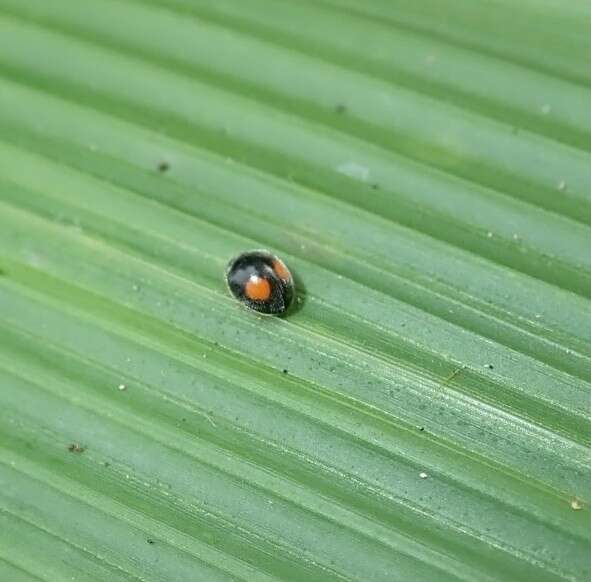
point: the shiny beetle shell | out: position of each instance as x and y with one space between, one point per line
261 281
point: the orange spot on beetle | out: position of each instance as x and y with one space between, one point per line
258 289
281 270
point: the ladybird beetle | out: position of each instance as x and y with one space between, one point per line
261 281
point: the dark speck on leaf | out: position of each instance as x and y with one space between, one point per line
107 464
421 428
489 366
76 448
375 186
163 167
150 540
285 371
341 108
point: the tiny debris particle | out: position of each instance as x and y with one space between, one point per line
489 234
375 186
341 108
562 185
421 428
163 167
150 541
284 371
423 475
545 109
76 448
122 387
576 504
489 366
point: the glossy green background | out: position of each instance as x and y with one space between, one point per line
424 168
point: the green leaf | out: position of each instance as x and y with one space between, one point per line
423 168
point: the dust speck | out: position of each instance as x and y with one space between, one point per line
163 167
423 475
76 448
576 504
150 541
562 185
122 387
545 109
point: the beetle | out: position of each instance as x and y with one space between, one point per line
261 281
